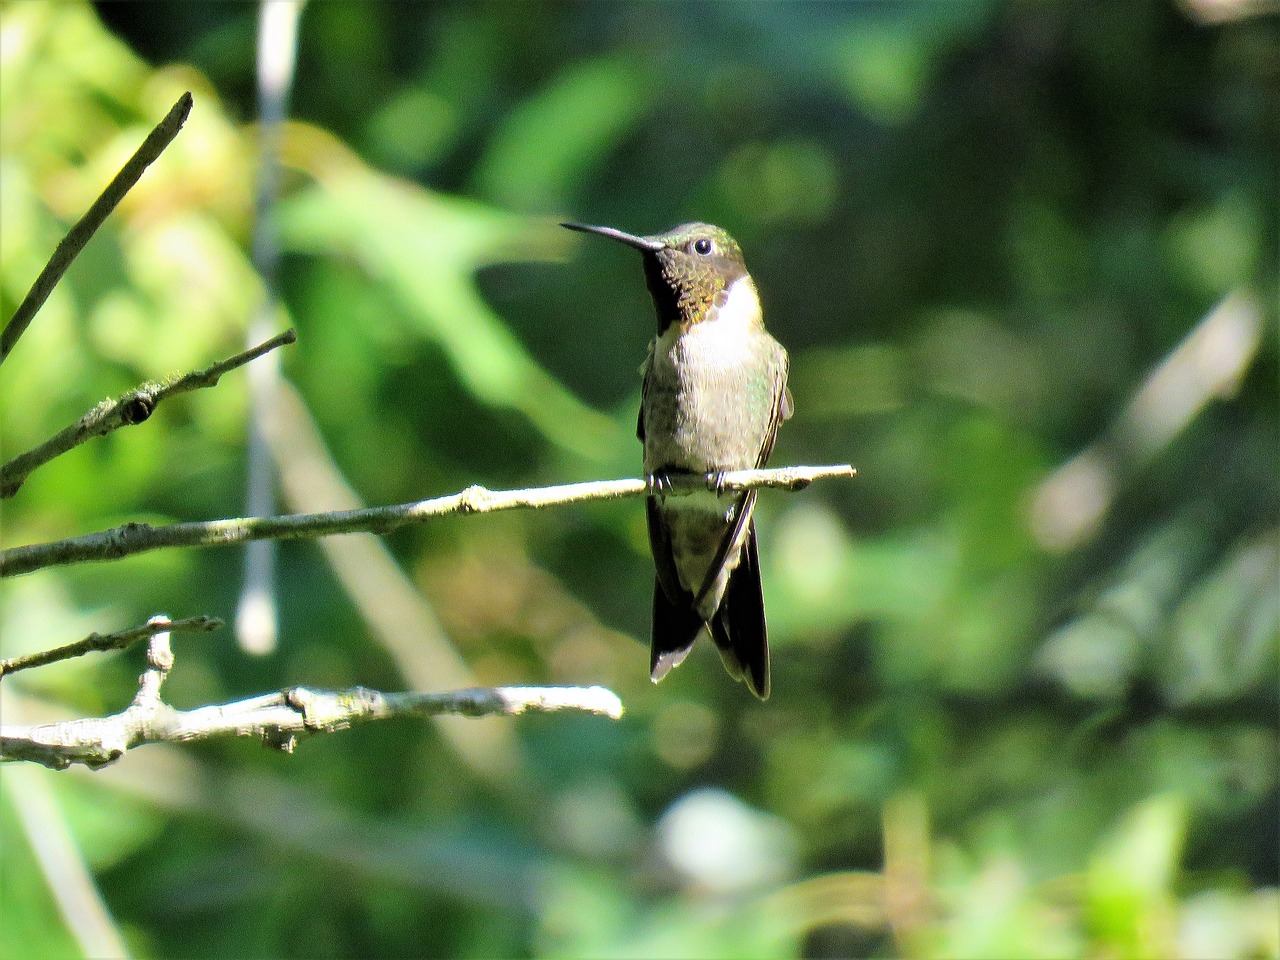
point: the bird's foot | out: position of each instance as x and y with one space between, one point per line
660 482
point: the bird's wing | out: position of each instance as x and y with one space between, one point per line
741 518
676 626
659 536
644 391
663 560
738 628
783 407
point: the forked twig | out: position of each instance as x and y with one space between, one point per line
278 719
95 642
131 407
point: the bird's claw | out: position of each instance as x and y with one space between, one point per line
660 483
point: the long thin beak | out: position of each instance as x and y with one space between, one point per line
630 239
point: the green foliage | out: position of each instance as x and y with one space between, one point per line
981 230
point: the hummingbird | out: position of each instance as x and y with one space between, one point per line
715 391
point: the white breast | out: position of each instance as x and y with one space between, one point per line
715 426
721 342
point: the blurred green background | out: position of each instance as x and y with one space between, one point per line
1024 257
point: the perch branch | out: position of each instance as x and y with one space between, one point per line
129 408
132 538
79 235
277 719
106 641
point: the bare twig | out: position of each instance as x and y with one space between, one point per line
159 663
132 538
107 641
79 235
129 408
277 719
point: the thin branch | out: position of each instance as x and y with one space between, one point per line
132 538
131 407
79 235
277 719
108 641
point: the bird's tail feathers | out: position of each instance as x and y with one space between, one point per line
675 627
738 628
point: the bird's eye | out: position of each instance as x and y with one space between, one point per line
702 246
